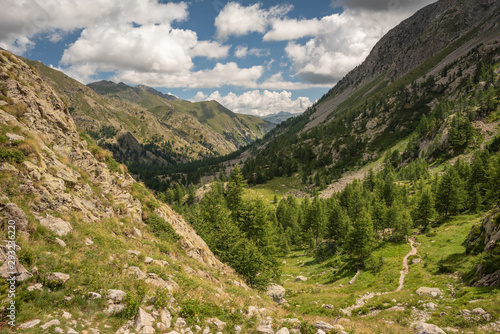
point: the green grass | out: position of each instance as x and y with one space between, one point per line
279 187
443 260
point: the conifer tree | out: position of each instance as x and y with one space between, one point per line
235 188
424 212
360 239
450 194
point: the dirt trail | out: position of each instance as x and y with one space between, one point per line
405 270
355 276
361 300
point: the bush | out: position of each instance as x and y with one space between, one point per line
161 228
12 155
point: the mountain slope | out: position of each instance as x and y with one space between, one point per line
84 227
237 129
452 80
135 134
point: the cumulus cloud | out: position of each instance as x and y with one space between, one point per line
21 21
338 42
237 20
219 75
257 102
243 51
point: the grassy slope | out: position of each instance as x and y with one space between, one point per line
441 248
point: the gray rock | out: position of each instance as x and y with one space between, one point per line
482 313
324 326
54 322
276 292
8 168
133 252
219 324
148 260
166 317
136 272
56 225
424 328
60 242
37 286
71 331
12 212
30 324
416 261
300 279
147 330
14 137
58 278
180 323
137 232
114 308
66 315
237 329
433 292
143 319
265 330
116 295
284 330
59 330
88 242
94 295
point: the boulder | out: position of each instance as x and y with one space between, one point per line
324 326
300 279
424 328
433 292
148 260
482 313
143 319
159 282
116 295
58 278
136 272
276 292
283 330
56 225
88 242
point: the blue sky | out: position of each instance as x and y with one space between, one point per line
253 57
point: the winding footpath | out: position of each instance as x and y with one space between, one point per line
361 301
405 270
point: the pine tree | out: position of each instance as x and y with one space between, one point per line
424 212
235 188
450 194
360 239
338 222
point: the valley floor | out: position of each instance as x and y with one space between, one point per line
374 304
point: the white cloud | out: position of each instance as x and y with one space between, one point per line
237 20
257 102
243 51
339 42
221 74
21 21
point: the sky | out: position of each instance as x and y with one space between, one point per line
253 57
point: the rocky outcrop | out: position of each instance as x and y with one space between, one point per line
484 238
60 172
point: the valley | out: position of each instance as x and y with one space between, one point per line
376 210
